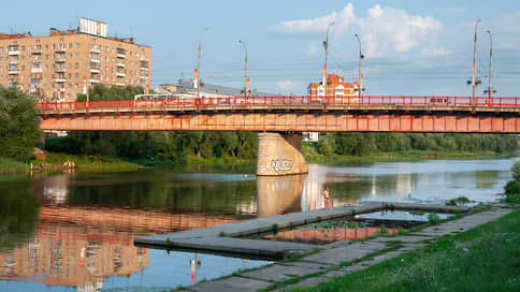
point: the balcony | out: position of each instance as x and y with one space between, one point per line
96 51
14 71
60 70
60 49
34 89
60 60
36 52
94 60
37 70
94 70
13 52
121 64
13 62
120 74
60 80
94 80
120 84
121 56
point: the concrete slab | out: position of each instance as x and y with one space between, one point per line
231 284
338 255
280 272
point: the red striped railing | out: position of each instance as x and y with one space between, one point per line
282 101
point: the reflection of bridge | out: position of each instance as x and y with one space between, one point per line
289 114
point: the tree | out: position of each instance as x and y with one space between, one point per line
19 124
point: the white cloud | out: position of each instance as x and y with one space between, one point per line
383 31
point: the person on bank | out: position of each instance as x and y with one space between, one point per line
326 199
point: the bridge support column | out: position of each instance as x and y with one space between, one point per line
280 154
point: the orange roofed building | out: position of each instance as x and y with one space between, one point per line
336 91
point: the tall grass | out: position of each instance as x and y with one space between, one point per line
11 166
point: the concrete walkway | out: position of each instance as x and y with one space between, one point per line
327 263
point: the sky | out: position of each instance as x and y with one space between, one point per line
410 47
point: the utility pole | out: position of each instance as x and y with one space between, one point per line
198 64
474 82
360 76
326 45
246 87
490 66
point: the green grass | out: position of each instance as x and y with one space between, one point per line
486 258
412 155
11 166
87 162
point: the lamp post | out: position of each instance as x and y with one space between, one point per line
246 87
198 63
490 65
326 45
360 76
474 81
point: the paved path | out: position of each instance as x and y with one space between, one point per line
326 264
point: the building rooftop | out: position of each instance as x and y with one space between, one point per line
186 87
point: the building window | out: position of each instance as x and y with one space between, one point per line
70 45
23 58
77 55
77 76
77 45
23 48
1 49
76 65
46 47
53 46
70 55
23 69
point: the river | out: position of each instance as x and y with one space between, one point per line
75 231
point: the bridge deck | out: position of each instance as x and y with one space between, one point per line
379 114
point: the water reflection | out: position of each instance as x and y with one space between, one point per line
77 229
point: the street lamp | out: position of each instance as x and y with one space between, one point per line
474 81
198 64
326 45
246 88
489 90
360 76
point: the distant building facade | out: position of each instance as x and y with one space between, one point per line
61 64
337 90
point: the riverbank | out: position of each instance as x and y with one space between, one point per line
404 262
486 258
311 155
60 161
10 166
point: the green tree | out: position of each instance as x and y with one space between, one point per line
19 124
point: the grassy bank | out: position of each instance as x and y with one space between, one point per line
56 161
311 155
8 166
486 258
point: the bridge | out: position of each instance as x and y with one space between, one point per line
281 120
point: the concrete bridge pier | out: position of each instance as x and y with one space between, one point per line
280 153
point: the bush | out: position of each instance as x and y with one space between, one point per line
433 218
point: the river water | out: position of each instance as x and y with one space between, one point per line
75 231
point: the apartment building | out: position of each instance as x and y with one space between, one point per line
59 66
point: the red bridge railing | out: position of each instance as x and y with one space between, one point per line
282 101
